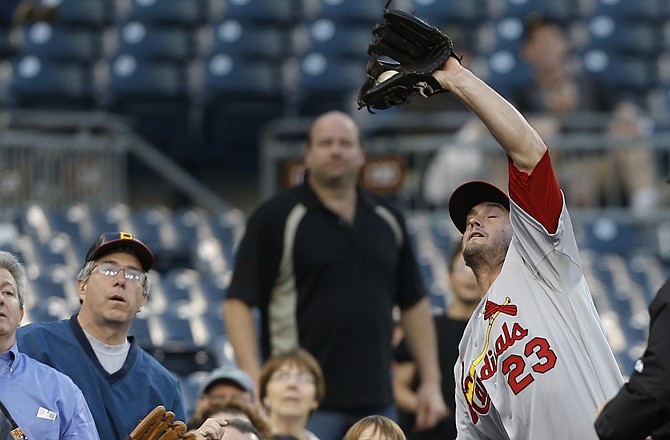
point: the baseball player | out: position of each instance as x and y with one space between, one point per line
534 362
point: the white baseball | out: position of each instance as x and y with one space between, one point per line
386 75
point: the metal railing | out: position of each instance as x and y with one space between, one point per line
62 158
415 138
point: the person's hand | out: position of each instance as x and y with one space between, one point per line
211 429
430 406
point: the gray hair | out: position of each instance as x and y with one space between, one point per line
85 273
11 263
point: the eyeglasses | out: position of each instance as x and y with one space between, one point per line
112 270
285 376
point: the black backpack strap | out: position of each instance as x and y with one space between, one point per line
9 430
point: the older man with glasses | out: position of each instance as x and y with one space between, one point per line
120 381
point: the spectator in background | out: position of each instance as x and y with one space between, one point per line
559 89
450 326
36 401
642 406
19 12
326 262
375 427
121 381
291 388
225 382
230 407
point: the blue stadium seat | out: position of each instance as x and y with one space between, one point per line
276 12
47 311
346 11
61 43
137 79
507 72
214 288
650 10
227 76
239 92
185 223
327 83
606 235
174 12
336 39
505 34
253 41
614 37
620 72
150 223
440 12
40 82
140 328
154 42
177 286
560 10
91 13
176 333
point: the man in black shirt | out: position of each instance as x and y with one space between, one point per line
325 263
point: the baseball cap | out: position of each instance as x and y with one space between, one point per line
110 242
471 194
230 374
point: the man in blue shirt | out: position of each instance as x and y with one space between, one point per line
38 401
120 381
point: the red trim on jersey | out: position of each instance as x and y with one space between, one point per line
537 193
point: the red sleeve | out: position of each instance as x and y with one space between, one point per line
537 193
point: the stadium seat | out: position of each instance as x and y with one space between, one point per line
229 77
327 83
175 332
91 13
614 37
559 10
345 11
141 329
47 311
133 78
606 235
214 288
43 83
503 35
156 97
248 40
174 12
440 12
185 224
620 72
622 10
507 72
276 12
236 93
335 39
61 43
154 43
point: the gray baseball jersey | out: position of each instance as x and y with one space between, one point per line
534 361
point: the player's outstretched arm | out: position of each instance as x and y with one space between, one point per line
519 140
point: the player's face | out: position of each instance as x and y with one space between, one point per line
290 392
488 233
113 299
334 155
11 313
463 282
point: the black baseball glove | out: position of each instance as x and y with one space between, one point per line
412 51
